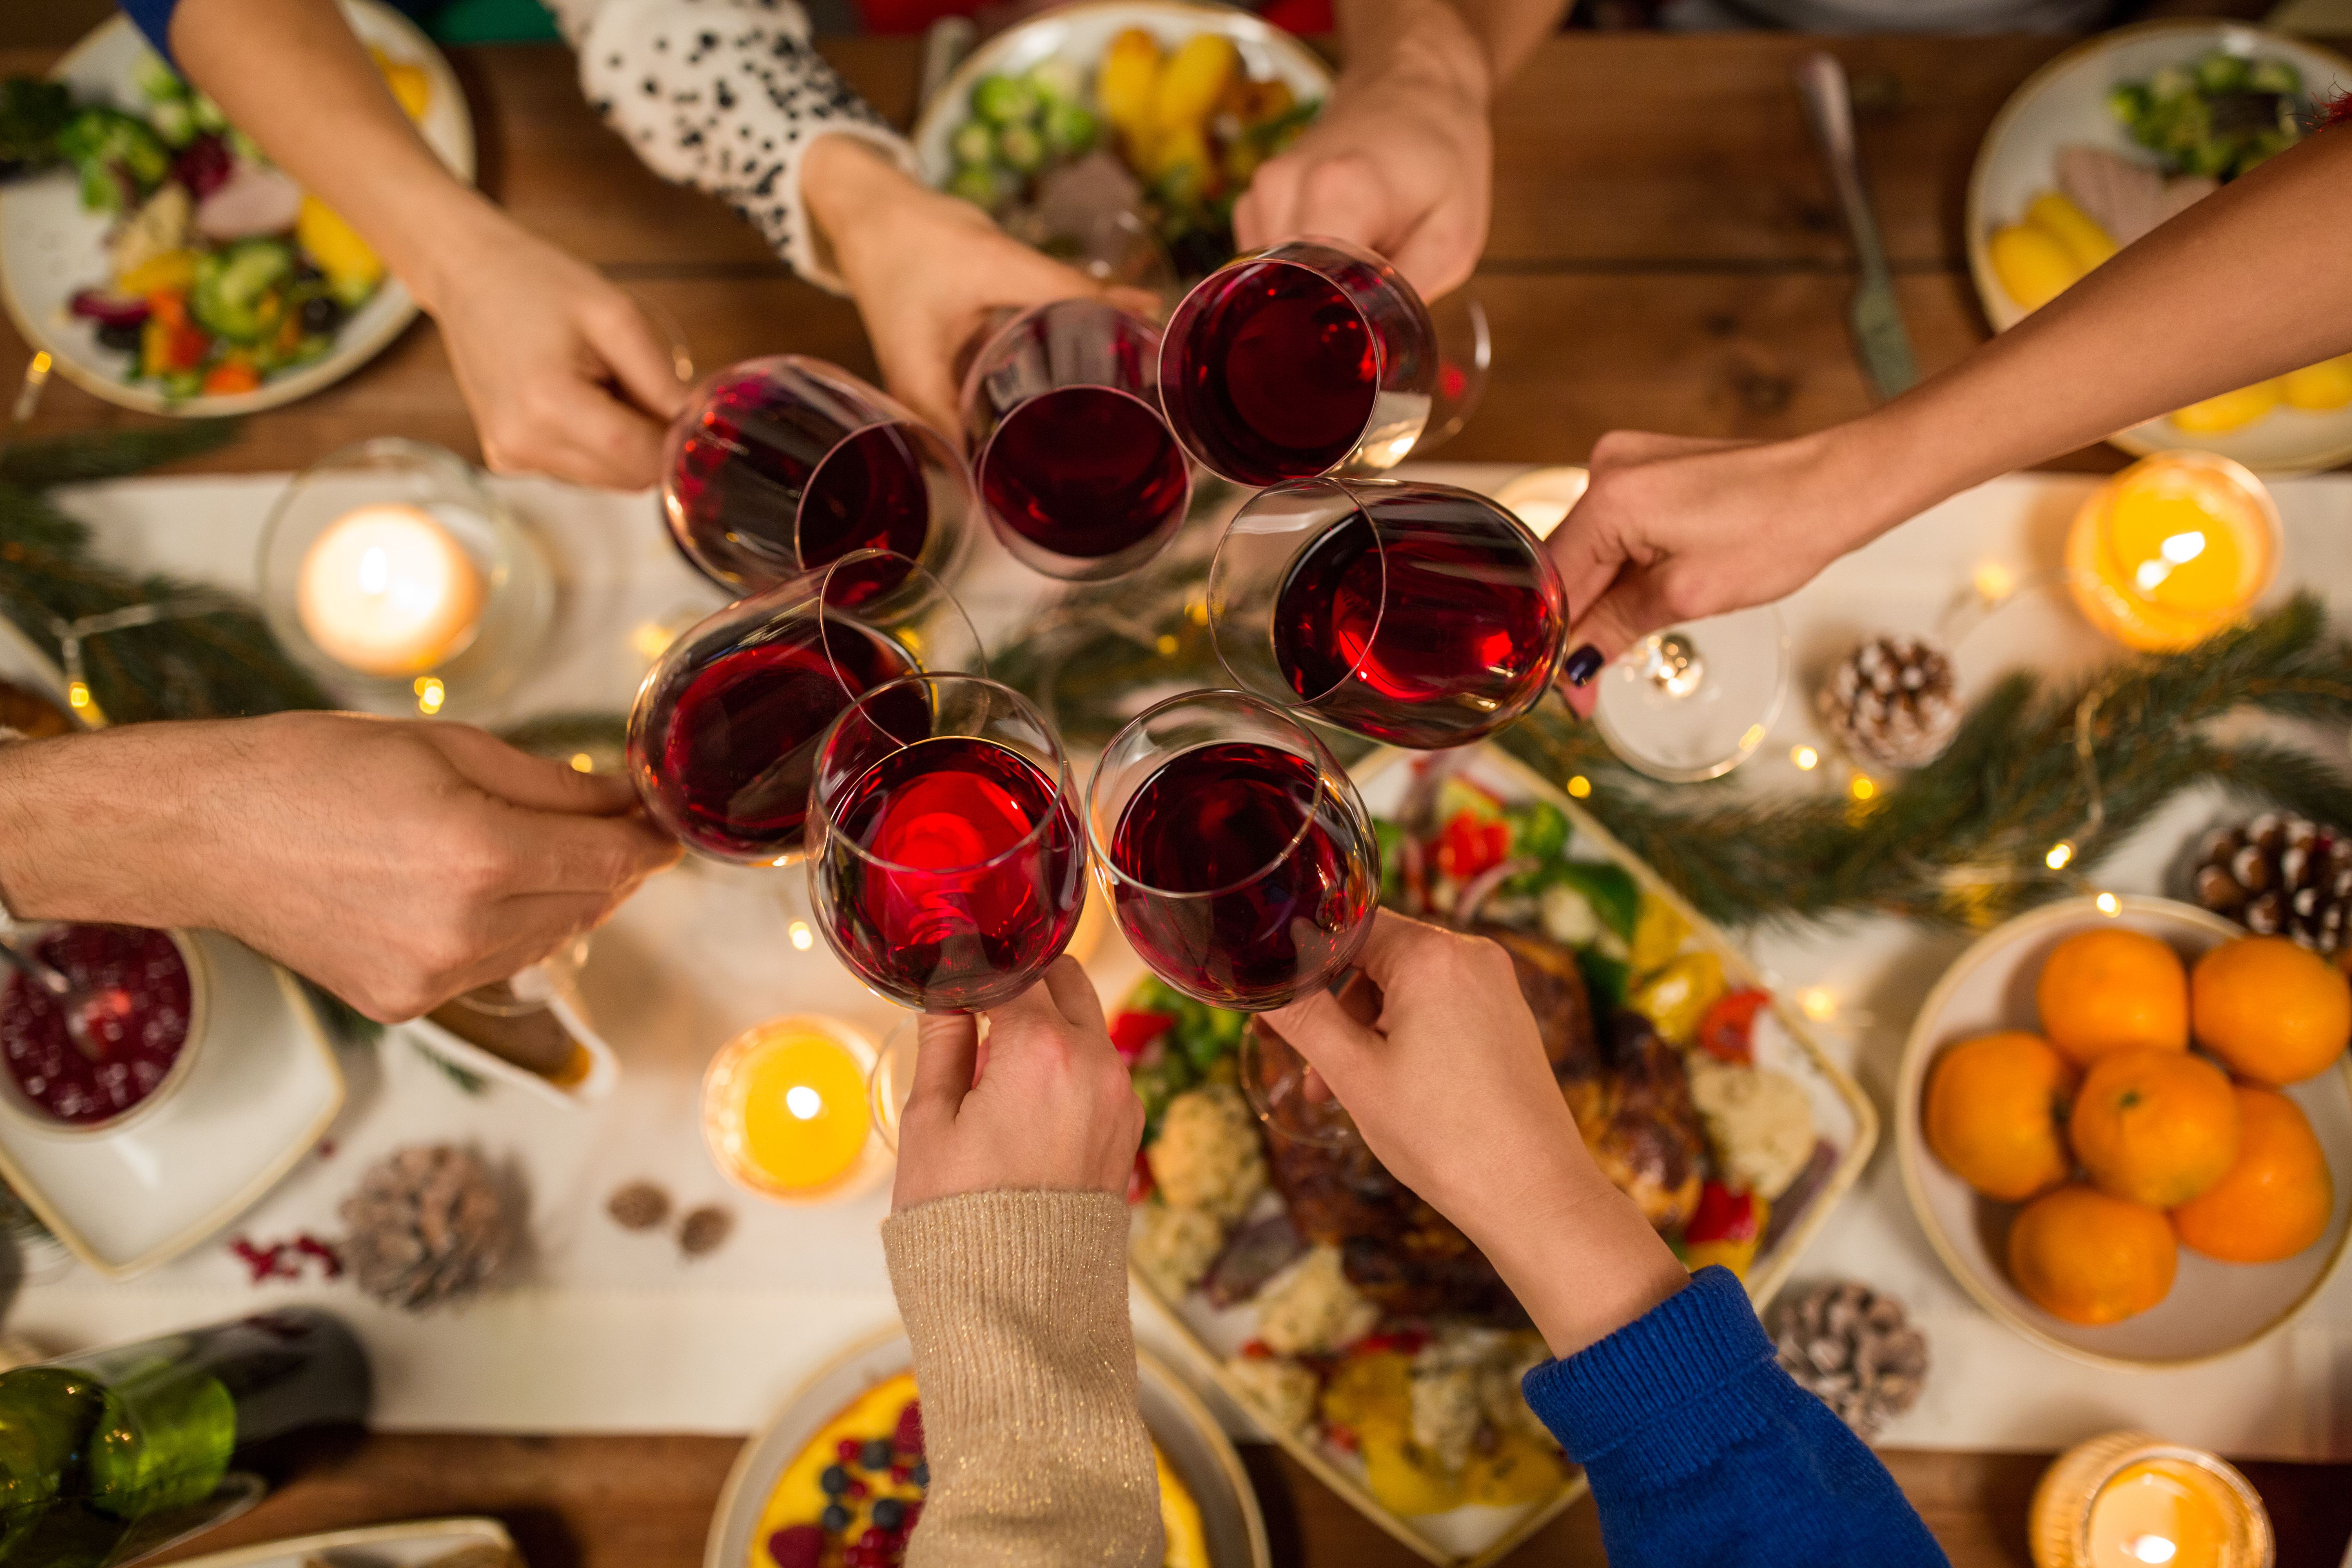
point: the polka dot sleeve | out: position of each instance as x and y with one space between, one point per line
726 96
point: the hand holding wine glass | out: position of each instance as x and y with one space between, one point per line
396 862
1449 1086
1046 1106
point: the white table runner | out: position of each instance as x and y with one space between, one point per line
618 1333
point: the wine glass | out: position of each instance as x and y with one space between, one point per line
724 732
1412 614
1240 863
1079 472
782 464
946 864
1693 701
1313 357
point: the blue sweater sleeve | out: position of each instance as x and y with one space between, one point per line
1700 1449
152 17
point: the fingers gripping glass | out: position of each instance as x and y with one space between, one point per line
724 733
1238 860
782 464
946 863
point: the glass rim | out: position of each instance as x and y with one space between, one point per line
821 810
1320 755
1380 549
915 431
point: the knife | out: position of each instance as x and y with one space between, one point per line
1880 340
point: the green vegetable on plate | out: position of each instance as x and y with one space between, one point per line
241 292
1006 100
106 147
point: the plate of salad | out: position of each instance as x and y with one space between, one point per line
1157 109
166 264
2116 137
1363 1330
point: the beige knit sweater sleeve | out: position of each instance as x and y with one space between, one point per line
1016 1303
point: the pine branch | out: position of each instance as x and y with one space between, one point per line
110 454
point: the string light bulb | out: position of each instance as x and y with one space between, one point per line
1805 757
1580 786
1862 786
2108 904
2061 853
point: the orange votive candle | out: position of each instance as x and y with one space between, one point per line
784 1108
2172 550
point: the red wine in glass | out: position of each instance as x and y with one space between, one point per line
784 465
970 883
1087 472
1291 363
740 745
1428 629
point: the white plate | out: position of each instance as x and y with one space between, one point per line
1842 1116
1081 34
1196 1449
409 1545
2064 104
51 248
2214 1308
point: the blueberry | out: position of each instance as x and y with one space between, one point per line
834 1481
876 1454
889 1514
321 313
835 1518
922 1475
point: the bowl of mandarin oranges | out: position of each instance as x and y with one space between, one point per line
2125 1125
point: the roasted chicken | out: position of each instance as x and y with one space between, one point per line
1630 1098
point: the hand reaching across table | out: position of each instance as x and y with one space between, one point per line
2249 283
397 863
1007 1246
1698 1448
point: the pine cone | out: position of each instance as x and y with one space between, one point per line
1891 702
1854 1349
430 1225
2280 876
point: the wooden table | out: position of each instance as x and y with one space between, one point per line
1665 255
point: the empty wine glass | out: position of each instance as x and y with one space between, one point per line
1078 471
1239 861
724 732
947 865
1416 615
782 464
1693 701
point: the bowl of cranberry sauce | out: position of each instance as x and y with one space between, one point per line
142 1008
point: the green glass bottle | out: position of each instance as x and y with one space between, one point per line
107 1456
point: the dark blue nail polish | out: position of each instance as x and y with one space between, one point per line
1584 664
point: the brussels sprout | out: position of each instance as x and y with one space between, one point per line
1023 150
1070 129
1005 101
973 142
157 82
982 184
2219 73
2276 76
1057 80
240 291
107 148
174 120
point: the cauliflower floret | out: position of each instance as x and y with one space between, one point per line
1174 1247
1281 1391
1446 1407
1309 1308
1207 1156
1505 1405
1759 1122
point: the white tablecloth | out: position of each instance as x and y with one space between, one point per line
617 1332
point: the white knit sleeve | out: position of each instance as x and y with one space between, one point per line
726 96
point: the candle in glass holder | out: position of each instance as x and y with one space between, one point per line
2128 1501
784 1108
386 590
2172 550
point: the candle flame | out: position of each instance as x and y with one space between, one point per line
803 1102
2151 1549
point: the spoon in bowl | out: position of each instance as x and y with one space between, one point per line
76 1004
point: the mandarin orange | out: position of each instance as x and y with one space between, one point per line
1995 1114
2276 1200
2111 989
2154 1126
2089 1258
2273 1012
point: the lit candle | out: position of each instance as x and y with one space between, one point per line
2126 1501
2172 550
784 1108
385 590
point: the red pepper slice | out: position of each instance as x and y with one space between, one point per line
1132 1031
1723 1215
1727 1032
1468 846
